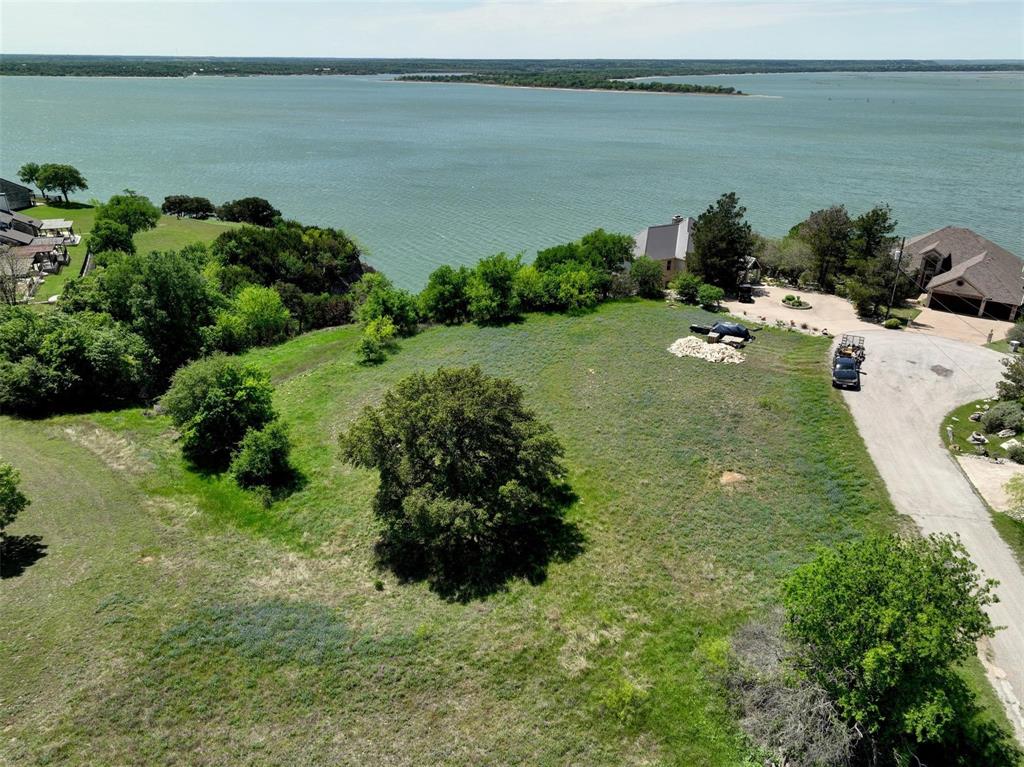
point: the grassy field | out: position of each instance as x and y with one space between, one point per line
175 619
170 233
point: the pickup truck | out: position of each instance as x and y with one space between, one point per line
846 373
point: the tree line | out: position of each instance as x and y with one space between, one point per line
573 80
852 256
185 66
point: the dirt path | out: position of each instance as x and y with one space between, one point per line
911 381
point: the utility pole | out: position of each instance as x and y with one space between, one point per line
895 279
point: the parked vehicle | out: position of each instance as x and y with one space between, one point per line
850 346
846 373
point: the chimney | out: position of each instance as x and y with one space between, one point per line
5 206
676 218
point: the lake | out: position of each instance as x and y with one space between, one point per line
424 174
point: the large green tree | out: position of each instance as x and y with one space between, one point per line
164 297
829 233
214 402
250 210
133 211
29 174
471 483
881 625
65 178
107 236
722 243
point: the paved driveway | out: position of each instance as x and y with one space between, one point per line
911 381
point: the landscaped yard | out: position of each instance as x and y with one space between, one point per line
170 233
963 427
177 620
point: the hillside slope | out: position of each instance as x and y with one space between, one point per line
175 619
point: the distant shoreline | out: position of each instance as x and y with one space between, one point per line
574 90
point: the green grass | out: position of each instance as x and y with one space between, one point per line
1003 346
176 620
905 314
170 233
963 427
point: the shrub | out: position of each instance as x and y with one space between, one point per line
12 500
1016 333
626 703
790 298
687 287
647 275
444 298
214 402
530 288
892 324
377 340
1016 453
710 296
375 297
262 459
471 482
1003 415
491 289
1012 385
621 285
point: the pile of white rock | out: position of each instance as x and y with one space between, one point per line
691 346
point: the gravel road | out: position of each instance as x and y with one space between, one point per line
911 381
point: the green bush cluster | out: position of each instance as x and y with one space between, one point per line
377 340
691 289
572 277
79 361
263 458
1003 415
892 324
223 410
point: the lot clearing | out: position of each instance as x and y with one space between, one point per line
175 619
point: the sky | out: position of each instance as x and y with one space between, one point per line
830 29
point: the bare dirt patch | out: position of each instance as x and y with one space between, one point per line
115 450
731 478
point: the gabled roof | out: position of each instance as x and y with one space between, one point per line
7 217
665 242
958 243
15 237
974 261
993 276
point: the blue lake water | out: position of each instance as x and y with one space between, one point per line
425 174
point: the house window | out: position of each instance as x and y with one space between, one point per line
668 266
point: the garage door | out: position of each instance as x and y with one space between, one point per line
944 302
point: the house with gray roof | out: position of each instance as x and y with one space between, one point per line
669 244
965 273
18 195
